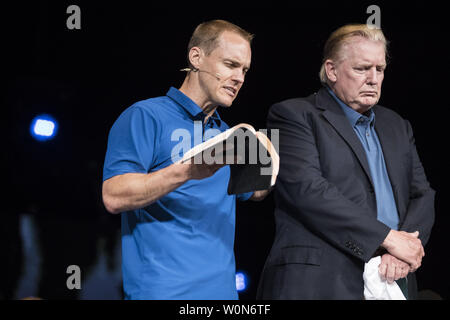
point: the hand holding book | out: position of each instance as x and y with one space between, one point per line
253 159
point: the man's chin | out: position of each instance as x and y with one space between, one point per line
368 103
225 104
226 100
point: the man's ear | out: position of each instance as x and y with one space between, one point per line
195 56
330 70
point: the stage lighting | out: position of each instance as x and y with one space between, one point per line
241 281
43 127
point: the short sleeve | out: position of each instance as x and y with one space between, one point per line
131 143
244 196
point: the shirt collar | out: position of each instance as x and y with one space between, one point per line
190 106
215 116
353 116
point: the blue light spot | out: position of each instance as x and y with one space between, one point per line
43 127
241 281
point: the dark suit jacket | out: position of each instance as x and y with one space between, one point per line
326 216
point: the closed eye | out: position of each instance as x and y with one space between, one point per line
362 68
231 64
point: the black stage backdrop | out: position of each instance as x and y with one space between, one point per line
125 52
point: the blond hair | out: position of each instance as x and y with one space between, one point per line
333 47
206 35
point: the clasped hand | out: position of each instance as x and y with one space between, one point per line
405 253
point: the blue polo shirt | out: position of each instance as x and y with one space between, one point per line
181 246
364 128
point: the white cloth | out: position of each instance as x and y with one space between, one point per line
377 289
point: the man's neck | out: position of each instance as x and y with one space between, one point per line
358 108
209 111
192 91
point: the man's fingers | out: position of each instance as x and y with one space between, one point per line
382 271
210 169
405 271
390 273
216 167
392 268
416 265
400 272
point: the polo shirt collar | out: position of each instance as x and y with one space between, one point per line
183 100
215 116
190 106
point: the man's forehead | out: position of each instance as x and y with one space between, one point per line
360 43
364 50
233 47
231 36
232 39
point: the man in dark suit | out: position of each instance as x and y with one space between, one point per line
351 185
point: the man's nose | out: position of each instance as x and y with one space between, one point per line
239 76
372 76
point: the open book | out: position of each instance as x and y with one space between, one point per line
253 159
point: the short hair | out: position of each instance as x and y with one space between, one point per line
343 35
206 35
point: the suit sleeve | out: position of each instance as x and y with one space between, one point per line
420 212
317 203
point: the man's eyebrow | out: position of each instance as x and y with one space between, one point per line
365 63
235 62
368 64
232 61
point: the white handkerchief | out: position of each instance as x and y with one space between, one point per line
377 289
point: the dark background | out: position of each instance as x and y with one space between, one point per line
127 52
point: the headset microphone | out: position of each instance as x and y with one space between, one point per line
215 75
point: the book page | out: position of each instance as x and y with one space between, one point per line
273 154
213 141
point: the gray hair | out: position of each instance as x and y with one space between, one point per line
333 47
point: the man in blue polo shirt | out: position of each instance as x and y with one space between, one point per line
178 221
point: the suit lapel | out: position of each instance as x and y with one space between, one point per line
336 117
386 135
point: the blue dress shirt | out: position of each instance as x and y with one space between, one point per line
364 127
